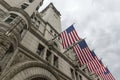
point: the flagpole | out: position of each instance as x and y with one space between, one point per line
72 46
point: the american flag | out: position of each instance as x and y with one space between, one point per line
95 65
100 70
69 36
83 52
107 75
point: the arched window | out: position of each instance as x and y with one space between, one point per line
10 18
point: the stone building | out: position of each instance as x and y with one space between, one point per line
27 48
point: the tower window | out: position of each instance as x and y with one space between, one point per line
24 5
48 56
55 63
40 49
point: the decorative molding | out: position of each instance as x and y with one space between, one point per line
25 65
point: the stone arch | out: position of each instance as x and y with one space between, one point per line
30 70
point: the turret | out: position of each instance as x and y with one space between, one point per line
14 19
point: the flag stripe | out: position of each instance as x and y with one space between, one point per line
80 58
84 51
76 49
69 36
76 35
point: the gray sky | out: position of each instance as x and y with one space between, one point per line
99 22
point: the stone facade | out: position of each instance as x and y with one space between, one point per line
27 48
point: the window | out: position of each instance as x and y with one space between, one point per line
55 35
35 18
48 56
55 44
40 49
51 31
31 1
32 16
24 5
84 70
76 74
55 63
72 73
58 38
0 69
10 18
10 49
39 22
37 7
80 77
23 30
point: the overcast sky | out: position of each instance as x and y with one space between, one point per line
99 22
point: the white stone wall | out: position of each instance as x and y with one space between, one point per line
51 17
48 34
30 42
64 67
3 8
